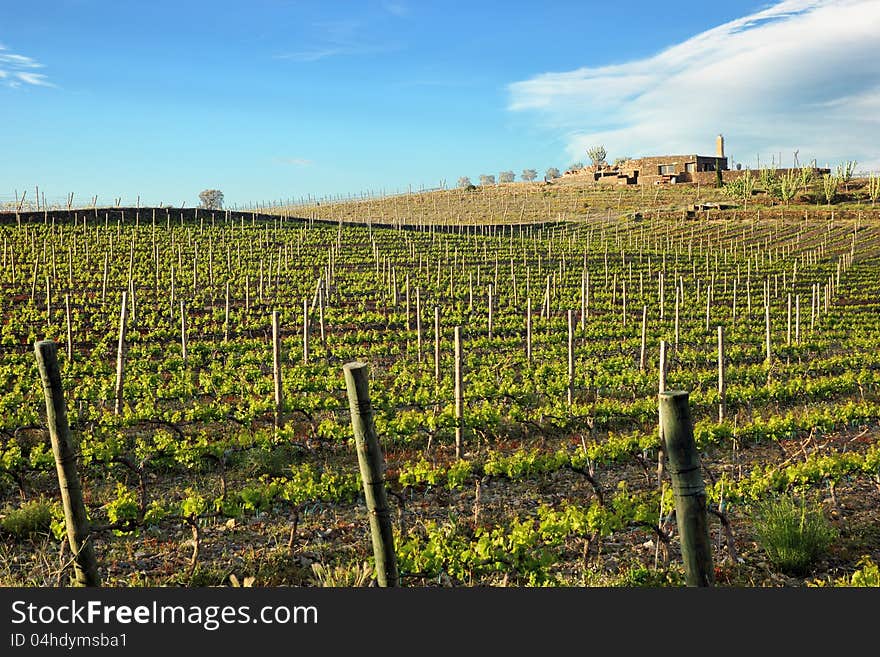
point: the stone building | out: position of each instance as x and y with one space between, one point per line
662 169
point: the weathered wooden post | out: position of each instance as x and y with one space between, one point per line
120 354
437 344
490 310
226 316
418 325
570 356
529 329
85 564
687 487
183 351
372 468
788 322
321 285
643 352
69 327
276 370
305 335
459 396
722 384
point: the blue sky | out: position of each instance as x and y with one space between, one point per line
274 99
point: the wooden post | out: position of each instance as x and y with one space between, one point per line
677 304
437 343
372 468
321 315
663 365
85 564
418 325
183 351
69 328
722 385
276 370
584 298
305 335
570 356
643 353
104 283
408 306
226 316
788 322
459 396
687 487
661 448
767 330
490 311
48 303
529 329
708 305
120 354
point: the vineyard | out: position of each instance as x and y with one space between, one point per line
514 371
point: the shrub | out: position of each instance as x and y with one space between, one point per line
34 517
867 576
792 534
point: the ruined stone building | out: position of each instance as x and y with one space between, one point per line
662 169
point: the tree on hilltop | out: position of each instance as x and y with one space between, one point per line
212 199
597 155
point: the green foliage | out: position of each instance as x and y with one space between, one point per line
805 177
830 183
874 187
793 534
867 575
846 171
789 183
741 188
767 179
640 576
124 508
194 504
33 517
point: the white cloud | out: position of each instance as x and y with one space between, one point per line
337 38
800 75
295 161
396 8
16 70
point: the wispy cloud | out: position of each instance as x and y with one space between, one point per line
295 161
798 75
16 70
337 38
396 8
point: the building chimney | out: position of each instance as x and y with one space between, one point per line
719 146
